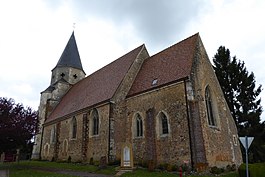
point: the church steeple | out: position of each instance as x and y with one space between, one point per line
70 56
67 72
69 66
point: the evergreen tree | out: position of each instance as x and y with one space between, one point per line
242 96
239 88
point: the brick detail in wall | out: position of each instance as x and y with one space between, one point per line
150 135
197 141
111 134
84 138
57 142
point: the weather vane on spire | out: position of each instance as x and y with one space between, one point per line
73 26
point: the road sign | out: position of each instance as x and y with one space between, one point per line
246 142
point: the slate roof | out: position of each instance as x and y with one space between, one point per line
95 88
52 87
70 56
167 66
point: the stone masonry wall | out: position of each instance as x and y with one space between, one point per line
172 148
96 145
220 141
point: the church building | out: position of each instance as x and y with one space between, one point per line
168 107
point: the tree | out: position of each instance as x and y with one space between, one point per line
18 125
242 96
239 88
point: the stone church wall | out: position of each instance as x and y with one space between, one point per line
70 148
72 75
220 141
97 146
74 149
172 148
47 152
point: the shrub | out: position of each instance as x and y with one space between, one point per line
231 167
216 170
175 168
162 166
169 167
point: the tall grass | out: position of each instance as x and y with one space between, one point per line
255 170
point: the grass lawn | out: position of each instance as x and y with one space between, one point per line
41 169
146 173
26 168
34 173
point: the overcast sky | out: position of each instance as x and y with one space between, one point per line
33 34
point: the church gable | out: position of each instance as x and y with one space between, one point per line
214 127
95 88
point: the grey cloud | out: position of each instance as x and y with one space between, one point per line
155 21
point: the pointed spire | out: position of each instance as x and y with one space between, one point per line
70 56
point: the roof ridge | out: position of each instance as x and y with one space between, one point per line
167 66
114 61
173 45
98 86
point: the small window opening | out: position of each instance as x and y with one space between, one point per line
95 122
75 76
164 124
139 126
62 75
154 82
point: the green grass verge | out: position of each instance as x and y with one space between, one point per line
255 170
146 173
110 170
34 173
26 168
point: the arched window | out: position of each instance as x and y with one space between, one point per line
209 107
139 125
74 127
95 119
164 123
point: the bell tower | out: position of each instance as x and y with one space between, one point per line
67 72
69 66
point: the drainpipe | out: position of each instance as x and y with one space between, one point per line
188 118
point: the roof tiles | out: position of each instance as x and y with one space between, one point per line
167 66
95 88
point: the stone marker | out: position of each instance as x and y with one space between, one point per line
4 173
126 156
